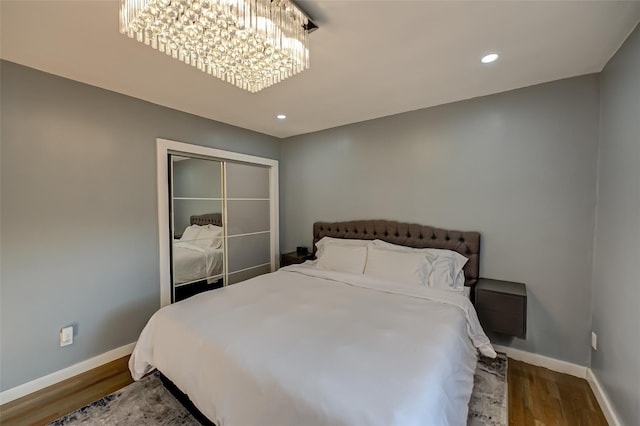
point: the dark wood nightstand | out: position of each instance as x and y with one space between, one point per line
502 307
293 258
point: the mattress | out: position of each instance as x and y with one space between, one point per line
303 346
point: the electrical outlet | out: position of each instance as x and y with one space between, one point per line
594 341
66 336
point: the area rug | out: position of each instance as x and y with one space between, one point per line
489 403
148 402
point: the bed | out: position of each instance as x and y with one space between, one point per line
312 344
195 257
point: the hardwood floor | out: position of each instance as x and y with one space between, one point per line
43 406
537 397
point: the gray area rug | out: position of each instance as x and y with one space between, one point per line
489 403
148 402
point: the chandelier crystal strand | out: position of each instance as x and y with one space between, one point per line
249 43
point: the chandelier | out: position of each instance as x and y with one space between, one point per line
251 44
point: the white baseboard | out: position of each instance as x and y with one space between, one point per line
66 373
544 361
603 400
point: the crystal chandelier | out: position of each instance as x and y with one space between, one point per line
249 43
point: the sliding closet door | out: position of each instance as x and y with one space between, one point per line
233 198
248 215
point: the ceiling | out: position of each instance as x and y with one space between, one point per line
369 59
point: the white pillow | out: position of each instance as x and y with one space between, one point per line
208 237
343 258
217 239
444 267
395 265
458 282
339 241
443 272
190 233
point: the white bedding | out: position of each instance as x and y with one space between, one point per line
192 262
307 347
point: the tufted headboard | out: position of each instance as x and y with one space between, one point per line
410 235
207 219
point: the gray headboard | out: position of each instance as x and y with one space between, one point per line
207 219
467 243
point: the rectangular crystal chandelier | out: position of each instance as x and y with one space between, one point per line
251 44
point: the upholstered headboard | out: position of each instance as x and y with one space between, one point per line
207 219
410 235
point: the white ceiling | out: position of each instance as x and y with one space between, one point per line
369 59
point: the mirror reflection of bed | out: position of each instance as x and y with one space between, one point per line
220 222
198 256
197 252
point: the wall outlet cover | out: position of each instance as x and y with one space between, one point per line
594 341
66 336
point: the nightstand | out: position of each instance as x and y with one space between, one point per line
293 258
502 306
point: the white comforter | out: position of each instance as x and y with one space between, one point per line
307 347
192 262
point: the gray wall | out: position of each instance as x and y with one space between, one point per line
520 167
79 231
616 294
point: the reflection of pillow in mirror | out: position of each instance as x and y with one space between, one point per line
217 238
207 236
190 233
215 228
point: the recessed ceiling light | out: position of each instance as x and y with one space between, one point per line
489 58
281 116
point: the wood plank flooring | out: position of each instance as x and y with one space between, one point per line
43 406
537 397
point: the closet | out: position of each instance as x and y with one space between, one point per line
217 216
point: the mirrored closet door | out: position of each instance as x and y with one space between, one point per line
218 218
197 227
249 221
